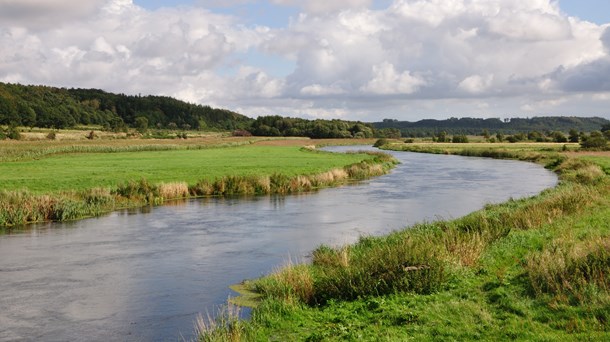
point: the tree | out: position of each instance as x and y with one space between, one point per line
442 137
595 140
460 139
499 137
559 137
573 136
141 124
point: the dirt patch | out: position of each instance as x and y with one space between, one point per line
589 153
315 142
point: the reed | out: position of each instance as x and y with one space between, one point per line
225 326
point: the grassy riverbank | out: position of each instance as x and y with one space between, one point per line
530 269
74 182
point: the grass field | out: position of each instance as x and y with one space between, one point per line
79 171
536 269
59 180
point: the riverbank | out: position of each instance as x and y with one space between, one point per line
66 182
531 269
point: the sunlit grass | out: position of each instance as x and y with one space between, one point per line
529 269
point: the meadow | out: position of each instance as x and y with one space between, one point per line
42 181
535 269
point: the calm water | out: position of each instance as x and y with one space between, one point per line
143 275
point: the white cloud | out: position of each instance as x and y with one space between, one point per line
387 81
324 6
415 56
476 84
39 14
320 90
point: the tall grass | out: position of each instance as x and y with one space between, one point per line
225 326
572 272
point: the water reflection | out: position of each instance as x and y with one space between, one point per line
144 274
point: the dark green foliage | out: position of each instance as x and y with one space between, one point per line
596 140
10 133
43 106
380 142
474 126
392 133
459 139
559 137
275 125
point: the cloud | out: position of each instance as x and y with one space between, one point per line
387 81
475 84
39 14
324 6
414 56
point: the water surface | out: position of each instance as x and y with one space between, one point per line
144 275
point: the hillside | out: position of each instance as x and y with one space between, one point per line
42 106
512 126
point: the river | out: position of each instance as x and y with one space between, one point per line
145 274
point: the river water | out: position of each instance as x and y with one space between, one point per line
145 274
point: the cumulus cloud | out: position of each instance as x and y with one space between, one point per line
475 84
387 81
40 14
413 55
324 6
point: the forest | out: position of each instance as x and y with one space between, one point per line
42 106
58 108
477 126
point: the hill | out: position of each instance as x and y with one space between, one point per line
476 126
43 106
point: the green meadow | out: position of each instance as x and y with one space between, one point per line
80 171
62 181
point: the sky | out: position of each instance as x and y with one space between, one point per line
334 59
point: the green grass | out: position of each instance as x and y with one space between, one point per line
604 162
90 170
535 269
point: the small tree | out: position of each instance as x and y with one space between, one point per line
442 137
559 137
573 136
500 137
460 139
141 124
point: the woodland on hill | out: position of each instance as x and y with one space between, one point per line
58 108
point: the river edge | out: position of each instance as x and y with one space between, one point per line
289 303
21 208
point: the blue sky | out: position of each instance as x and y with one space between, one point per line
348 59
264 13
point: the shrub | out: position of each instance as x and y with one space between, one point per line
460 139
380 142
594 143
52 135
241 133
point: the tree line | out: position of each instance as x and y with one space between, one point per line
42 106
475 126
51 107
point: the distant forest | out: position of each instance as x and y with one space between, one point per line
474 126
50 107
42 106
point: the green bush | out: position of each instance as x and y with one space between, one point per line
380 142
